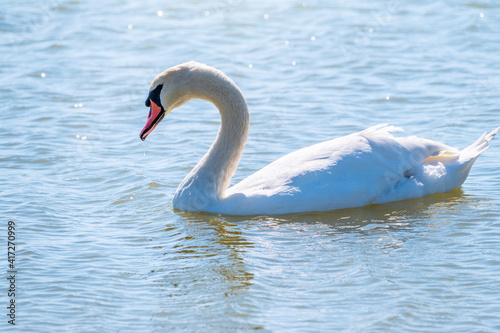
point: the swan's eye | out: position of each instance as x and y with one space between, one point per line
154 96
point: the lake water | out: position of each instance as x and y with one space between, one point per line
99 247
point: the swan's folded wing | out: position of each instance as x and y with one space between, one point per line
345 172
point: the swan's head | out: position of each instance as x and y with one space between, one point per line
168 91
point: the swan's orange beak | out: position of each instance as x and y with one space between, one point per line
155 116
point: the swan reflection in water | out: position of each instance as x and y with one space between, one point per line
228 262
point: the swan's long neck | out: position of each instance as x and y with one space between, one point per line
210 178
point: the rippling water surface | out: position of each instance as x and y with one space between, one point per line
99 245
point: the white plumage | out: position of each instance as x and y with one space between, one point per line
363 168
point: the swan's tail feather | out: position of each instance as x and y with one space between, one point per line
457 164
474 150
491 135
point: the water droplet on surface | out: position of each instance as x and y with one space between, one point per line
287 43
130 26
78 136
266 16
293 63
481 15
250 66
42 75
84 138
370 30
159 13
313 38
387 98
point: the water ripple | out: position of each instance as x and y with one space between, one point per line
100 247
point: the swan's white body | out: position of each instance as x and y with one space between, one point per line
363 168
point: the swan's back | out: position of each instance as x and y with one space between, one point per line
356 170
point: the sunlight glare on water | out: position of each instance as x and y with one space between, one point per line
100 247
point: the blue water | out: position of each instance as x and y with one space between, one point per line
99 247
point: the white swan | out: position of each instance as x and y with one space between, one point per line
359 169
